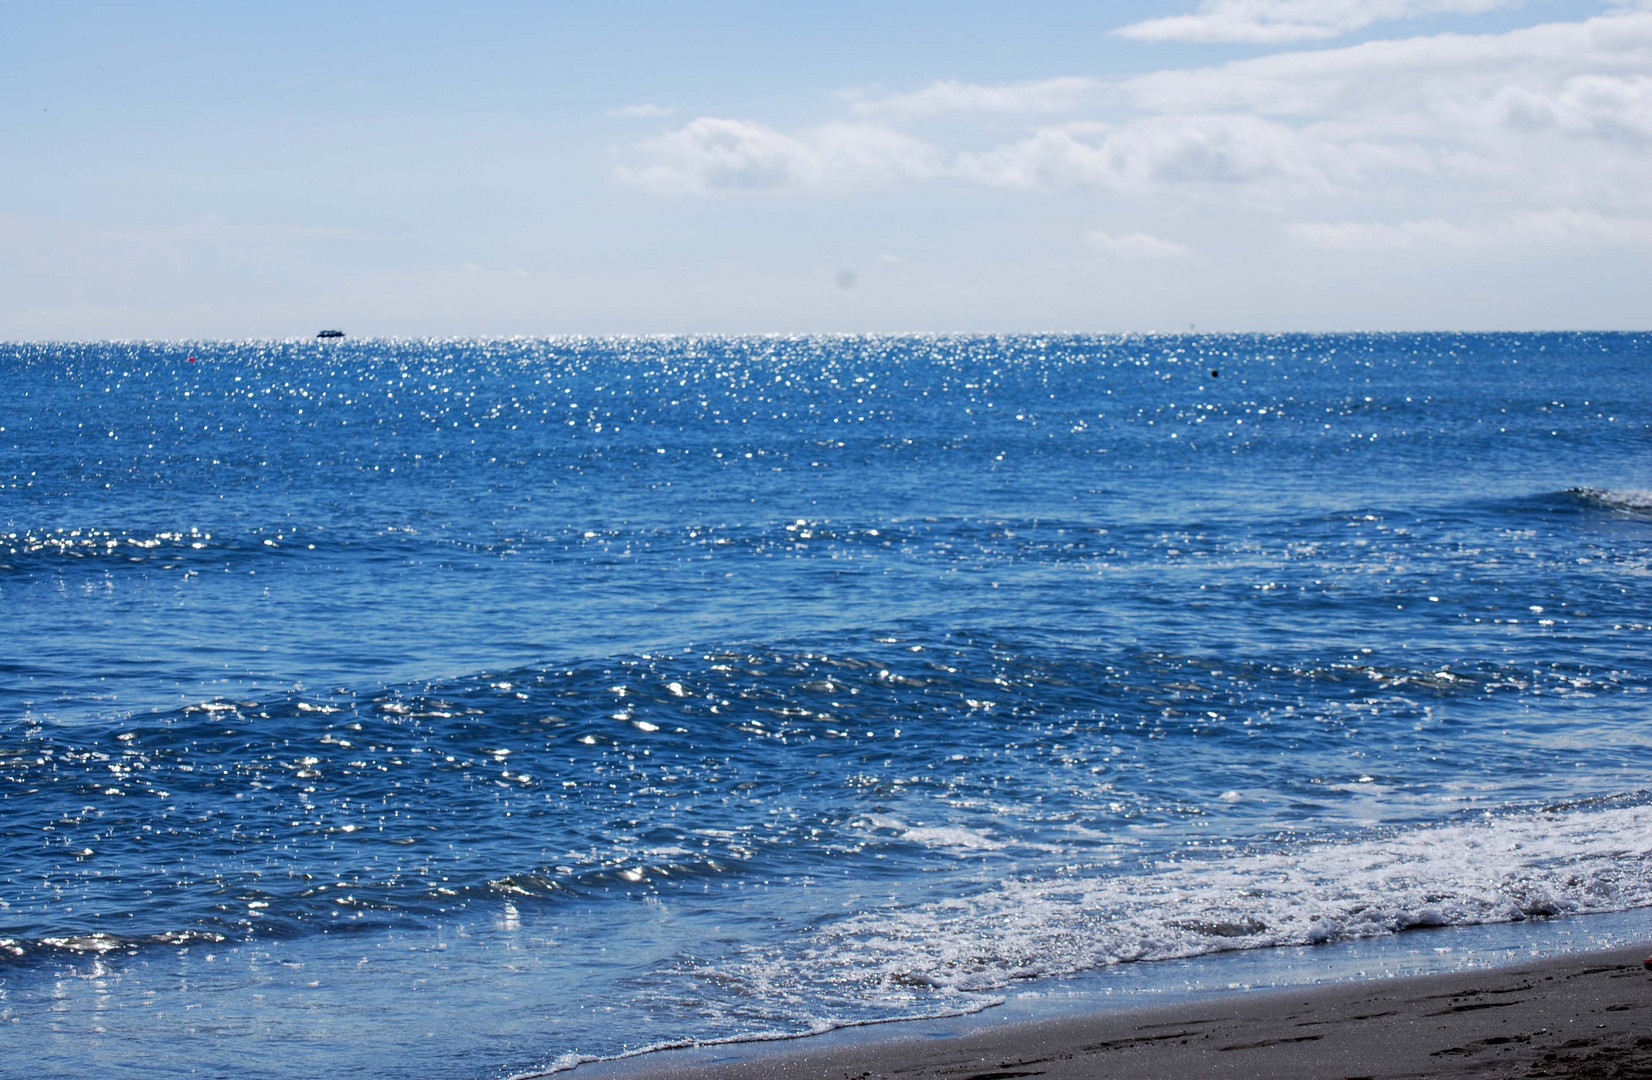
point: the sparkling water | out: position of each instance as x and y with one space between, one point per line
472 708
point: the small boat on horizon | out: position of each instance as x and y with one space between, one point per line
330 334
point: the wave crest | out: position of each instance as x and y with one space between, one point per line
1634 500
1532 865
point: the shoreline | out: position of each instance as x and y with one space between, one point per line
1586 1014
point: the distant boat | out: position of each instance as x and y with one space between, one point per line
331 334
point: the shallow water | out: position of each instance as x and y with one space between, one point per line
560 698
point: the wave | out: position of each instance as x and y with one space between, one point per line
99 943
1632 500
33 548
1315 541
138 546
952 957
193 548
573 1060
1537 864
542 776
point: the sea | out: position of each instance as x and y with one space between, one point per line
463 709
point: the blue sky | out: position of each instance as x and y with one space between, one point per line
190 170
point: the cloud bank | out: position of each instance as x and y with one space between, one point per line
719 155
1517 129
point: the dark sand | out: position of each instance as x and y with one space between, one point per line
1583 1015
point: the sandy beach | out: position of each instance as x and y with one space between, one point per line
1581 1015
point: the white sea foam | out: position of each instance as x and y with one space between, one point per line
1638 500
570 1060
936 836
946 957
1543 863
951 838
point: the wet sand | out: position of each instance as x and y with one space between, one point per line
1582 1015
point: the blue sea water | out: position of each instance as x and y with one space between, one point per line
464 709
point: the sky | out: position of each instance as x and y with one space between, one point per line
249 169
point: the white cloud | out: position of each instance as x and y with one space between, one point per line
1045 95
1403 79
1274 21
1152 154
1139 245
1560 112
1552 115
1553 227
710 155
643 111
1210 151
1603 106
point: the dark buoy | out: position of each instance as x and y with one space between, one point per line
1214 374
331 334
